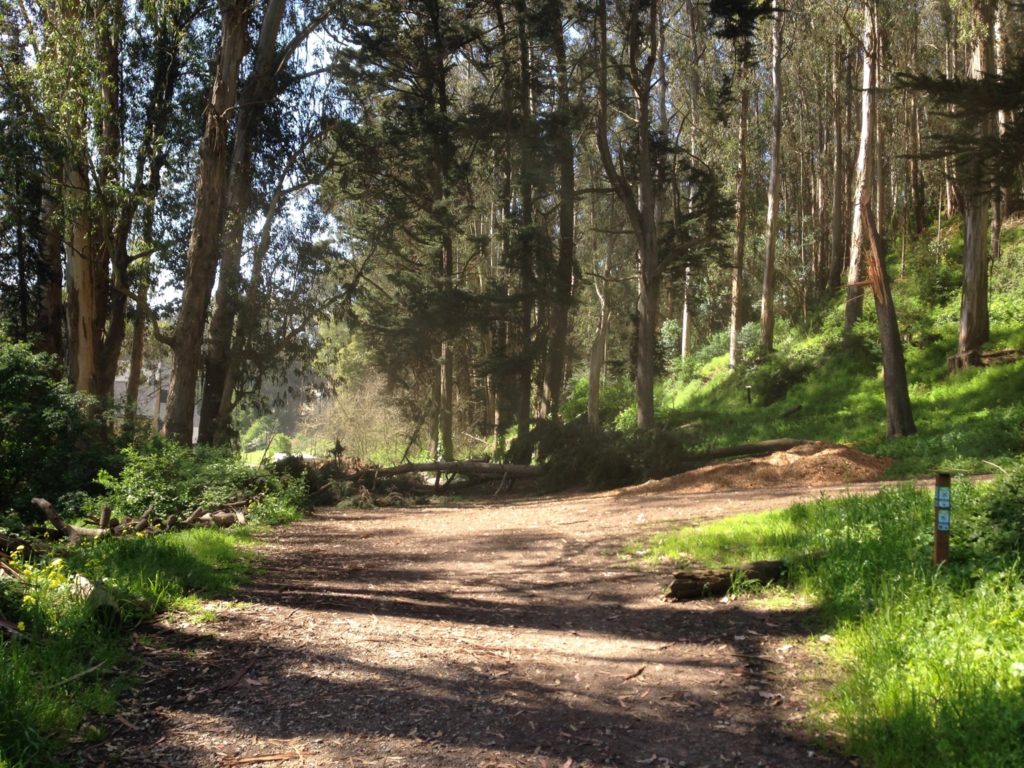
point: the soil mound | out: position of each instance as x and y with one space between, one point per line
808 464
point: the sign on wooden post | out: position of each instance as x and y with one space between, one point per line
943 508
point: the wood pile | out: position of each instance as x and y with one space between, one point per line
222 517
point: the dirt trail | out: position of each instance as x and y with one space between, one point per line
490 635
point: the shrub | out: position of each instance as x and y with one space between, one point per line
281 444
49 443
172 478
576 455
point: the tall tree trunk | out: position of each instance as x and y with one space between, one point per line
558 326
114 219
597 354
836 240
641 205
865 165
442 158
257 91
527 245
85 274
772 224
202 253
736 300
899 417
917 189
697 37
51 307
976 195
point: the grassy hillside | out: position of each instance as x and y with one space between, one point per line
928 661
819 386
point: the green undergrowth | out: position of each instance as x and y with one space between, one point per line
930 660
823 384
71 657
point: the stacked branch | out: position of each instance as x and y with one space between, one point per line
222 517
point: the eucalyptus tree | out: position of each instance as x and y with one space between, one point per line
202 254
976 196
271 78
100 134
634 61
775 150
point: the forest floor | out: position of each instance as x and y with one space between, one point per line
480 634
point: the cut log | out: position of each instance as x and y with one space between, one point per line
471 468
701 583
197 513
143 522
223 519
974 358
74 533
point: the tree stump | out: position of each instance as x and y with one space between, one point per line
700 583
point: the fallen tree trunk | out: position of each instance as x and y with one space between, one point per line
697 584
73 533
995 357
471 468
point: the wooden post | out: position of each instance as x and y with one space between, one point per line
750 400
943 507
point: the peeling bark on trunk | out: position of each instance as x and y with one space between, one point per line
736 300
202 256
255 95
899 416
865 165
836 241
597 355
772 224
84 300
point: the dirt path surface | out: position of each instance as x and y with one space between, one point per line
488 635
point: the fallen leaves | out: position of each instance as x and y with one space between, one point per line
279 757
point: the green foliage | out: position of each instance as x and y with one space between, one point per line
49 443
173 478
997 531
281 444
933 659
43 691
45 687
575 455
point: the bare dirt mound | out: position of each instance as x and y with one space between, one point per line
809 464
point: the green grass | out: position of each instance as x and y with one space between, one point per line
963 420
41 697
931 659
72 659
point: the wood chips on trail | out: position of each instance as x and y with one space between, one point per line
480 634
811 464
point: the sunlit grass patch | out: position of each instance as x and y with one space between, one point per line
931 659
70 661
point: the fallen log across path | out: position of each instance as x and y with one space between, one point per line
471 468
